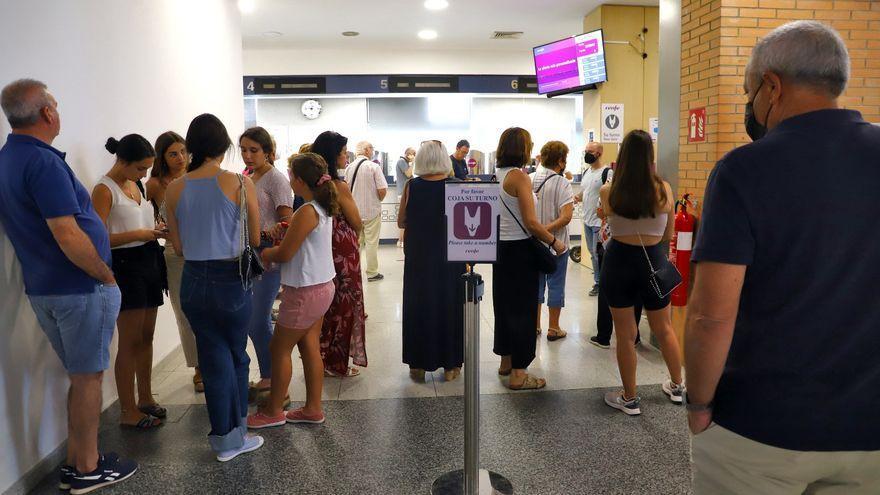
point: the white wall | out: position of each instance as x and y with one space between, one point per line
264 62
115 67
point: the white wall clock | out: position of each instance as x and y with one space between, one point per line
311 109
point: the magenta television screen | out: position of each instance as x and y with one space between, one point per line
570 64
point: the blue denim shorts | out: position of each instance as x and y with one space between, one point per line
80 326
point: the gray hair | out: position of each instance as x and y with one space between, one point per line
361 148
22 101
806 52
432 158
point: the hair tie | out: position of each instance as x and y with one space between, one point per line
323 179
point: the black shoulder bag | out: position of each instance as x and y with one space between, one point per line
545 261
663 280
355 175
250 266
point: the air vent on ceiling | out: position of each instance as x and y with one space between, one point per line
507 35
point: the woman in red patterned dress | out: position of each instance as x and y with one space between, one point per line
343 333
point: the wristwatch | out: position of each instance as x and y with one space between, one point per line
691 407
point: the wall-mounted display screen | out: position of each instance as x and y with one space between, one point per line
572 64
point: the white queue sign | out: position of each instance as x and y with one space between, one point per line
472 210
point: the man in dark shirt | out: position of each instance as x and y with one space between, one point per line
64 251
783 379
459 165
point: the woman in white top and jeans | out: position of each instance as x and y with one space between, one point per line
555 208
139 268
515 276
638 206
307 274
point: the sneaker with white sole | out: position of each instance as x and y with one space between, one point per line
299 416
259 420
251 443
65 476
601 345
110 470
674 391
630 407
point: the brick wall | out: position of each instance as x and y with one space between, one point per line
717 38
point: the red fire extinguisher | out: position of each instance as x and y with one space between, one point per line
680 249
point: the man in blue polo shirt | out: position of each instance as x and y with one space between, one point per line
783 378
64 252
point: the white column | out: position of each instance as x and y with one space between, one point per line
115 67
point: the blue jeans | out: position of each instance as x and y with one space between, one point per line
591 239
260 326
80 326
218 309
554 283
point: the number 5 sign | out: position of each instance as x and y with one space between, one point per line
697 125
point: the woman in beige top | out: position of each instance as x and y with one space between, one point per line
171 161
638 205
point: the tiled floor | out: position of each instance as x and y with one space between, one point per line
386 434
570 363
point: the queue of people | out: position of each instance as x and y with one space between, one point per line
92 263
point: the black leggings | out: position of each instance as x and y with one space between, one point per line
514 280
625 275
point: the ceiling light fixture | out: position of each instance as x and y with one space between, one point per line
272 34
247 6
436 4
428 34
350 33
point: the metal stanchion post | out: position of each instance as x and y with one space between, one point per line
472 480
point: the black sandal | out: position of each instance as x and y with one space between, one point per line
146 423
154 410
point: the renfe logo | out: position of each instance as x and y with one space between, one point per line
472 220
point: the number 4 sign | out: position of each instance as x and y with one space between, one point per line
697 125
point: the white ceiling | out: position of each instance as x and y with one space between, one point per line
393 24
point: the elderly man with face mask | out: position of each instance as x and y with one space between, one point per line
782 331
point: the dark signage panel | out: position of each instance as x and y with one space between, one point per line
367 84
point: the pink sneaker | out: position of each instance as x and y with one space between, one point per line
298 416
259 420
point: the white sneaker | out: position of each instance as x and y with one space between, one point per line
251 443
674 391
630 407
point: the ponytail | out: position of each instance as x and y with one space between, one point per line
312 169
326 195
195 162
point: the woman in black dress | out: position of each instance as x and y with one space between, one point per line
433 312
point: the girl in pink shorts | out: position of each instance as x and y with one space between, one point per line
307 274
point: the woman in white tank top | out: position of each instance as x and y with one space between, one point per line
515 275
139 268
637 204
307 274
